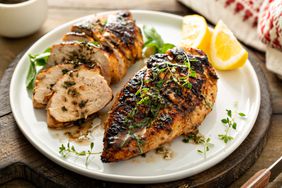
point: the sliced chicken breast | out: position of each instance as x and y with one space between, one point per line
94 29
78 95
88 54
45 81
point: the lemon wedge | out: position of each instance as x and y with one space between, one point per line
195 32
225 52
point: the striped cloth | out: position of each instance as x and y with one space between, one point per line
270 23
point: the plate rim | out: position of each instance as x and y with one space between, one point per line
114 177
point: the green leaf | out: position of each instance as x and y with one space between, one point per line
199 151
224 121
234 125
151 34
151 49
242 114
193 74
72 148
165 47
159 84
92 145
41 59
47 50
225 138
95 43
229 113
31 73
36 60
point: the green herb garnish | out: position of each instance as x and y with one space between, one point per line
68 149
39 60
154 43
194 137
206 144
229 123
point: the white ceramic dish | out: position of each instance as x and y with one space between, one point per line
238 87
22 19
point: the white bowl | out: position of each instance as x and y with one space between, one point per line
22 19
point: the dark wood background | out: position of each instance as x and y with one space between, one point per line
61 11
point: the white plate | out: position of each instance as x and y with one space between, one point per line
238 87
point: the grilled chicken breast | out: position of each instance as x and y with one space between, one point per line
45 81
77 95
93 55
170 97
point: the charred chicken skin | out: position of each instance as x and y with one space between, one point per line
168 98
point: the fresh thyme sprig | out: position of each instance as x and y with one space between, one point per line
229 123
206 147
194 138
68 149
197 138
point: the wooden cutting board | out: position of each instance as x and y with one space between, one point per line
19 159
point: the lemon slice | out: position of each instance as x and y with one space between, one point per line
225 52
195 32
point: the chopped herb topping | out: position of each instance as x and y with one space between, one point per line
73 92
150 97
64 109
68 84
82 103
65 71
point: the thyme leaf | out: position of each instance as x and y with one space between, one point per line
66 150
229 123
206 147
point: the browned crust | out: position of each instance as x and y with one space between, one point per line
183 123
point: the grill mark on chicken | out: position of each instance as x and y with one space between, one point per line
118 31
171 108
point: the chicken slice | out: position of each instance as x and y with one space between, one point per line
89 54
117 31
81 37
77 95
94 29
45 81
121 30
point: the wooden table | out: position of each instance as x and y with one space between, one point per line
65 10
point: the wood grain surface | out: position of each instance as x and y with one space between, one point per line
13 141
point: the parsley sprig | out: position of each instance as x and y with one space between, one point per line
68 149
229 123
